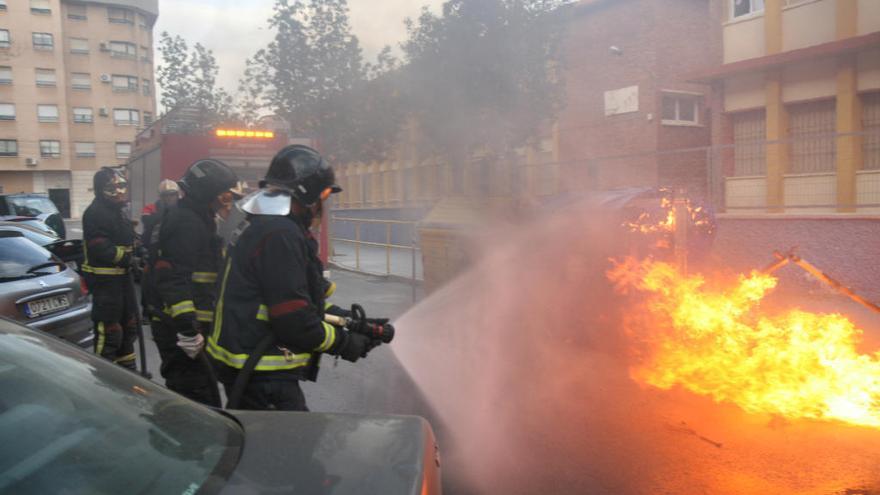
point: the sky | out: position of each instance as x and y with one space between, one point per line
235 29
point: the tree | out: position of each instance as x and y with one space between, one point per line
188 78
480 76
313 75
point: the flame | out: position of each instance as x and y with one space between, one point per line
716 343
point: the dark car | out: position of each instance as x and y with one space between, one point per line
35 206
40 290
74 423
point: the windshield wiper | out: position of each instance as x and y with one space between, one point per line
34 269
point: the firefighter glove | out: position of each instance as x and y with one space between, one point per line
191 345
355 346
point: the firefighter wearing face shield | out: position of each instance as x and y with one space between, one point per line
269 331
108 238
185 258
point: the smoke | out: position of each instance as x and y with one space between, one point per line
524 366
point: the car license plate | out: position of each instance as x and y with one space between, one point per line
41 307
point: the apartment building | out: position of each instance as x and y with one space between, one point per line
76 86
796 117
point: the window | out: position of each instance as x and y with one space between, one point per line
43 41
7 111
811 128
46 77
40 7
84 150
83 115
125 83
77 12
2 5
681 109
148 118
79 45
749 150
123 150
8 147
5 39
143 22
50 149
741 8
123 50
47 113
871 128
148 89
81 80
126 116
5 75
120 16
146 54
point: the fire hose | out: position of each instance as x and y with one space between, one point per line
357 322
792 257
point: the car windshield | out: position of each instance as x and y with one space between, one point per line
21 258
31 206
72 423
38 237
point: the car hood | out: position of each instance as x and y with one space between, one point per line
318 453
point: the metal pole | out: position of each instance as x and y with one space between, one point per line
414 264
682 218
357 246
388 249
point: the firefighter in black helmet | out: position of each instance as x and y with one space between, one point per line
108 240
272 290
185 260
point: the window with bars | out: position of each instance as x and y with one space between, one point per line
50 149
811 129
83 115
8 147
81 80
46 77
47 113
84 149
749 149
77 12
43 41
79 45
871 129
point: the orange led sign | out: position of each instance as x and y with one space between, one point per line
242 133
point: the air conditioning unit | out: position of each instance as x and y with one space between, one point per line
31 162
105 47
105 78
103 112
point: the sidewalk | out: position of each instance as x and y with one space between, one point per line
374 260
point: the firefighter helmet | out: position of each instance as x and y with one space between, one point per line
302 172
110 184
207 179
168 187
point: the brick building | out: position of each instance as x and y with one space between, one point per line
626 97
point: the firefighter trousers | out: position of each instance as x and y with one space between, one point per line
114 315
184 375
263 394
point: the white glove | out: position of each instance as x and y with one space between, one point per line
192 346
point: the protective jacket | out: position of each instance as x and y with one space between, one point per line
184 270
108 242
272 283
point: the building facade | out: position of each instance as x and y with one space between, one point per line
797 105
76 86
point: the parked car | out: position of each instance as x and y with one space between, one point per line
32 205
40 290
93 427
70 251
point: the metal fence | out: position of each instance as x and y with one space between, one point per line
378 247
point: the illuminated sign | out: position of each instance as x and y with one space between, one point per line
246 134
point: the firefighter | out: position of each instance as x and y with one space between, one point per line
183 274
108 239
269 332
169 194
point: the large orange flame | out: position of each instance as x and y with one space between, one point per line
716 343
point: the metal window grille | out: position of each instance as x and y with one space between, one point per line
749 151
811 130
871 128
